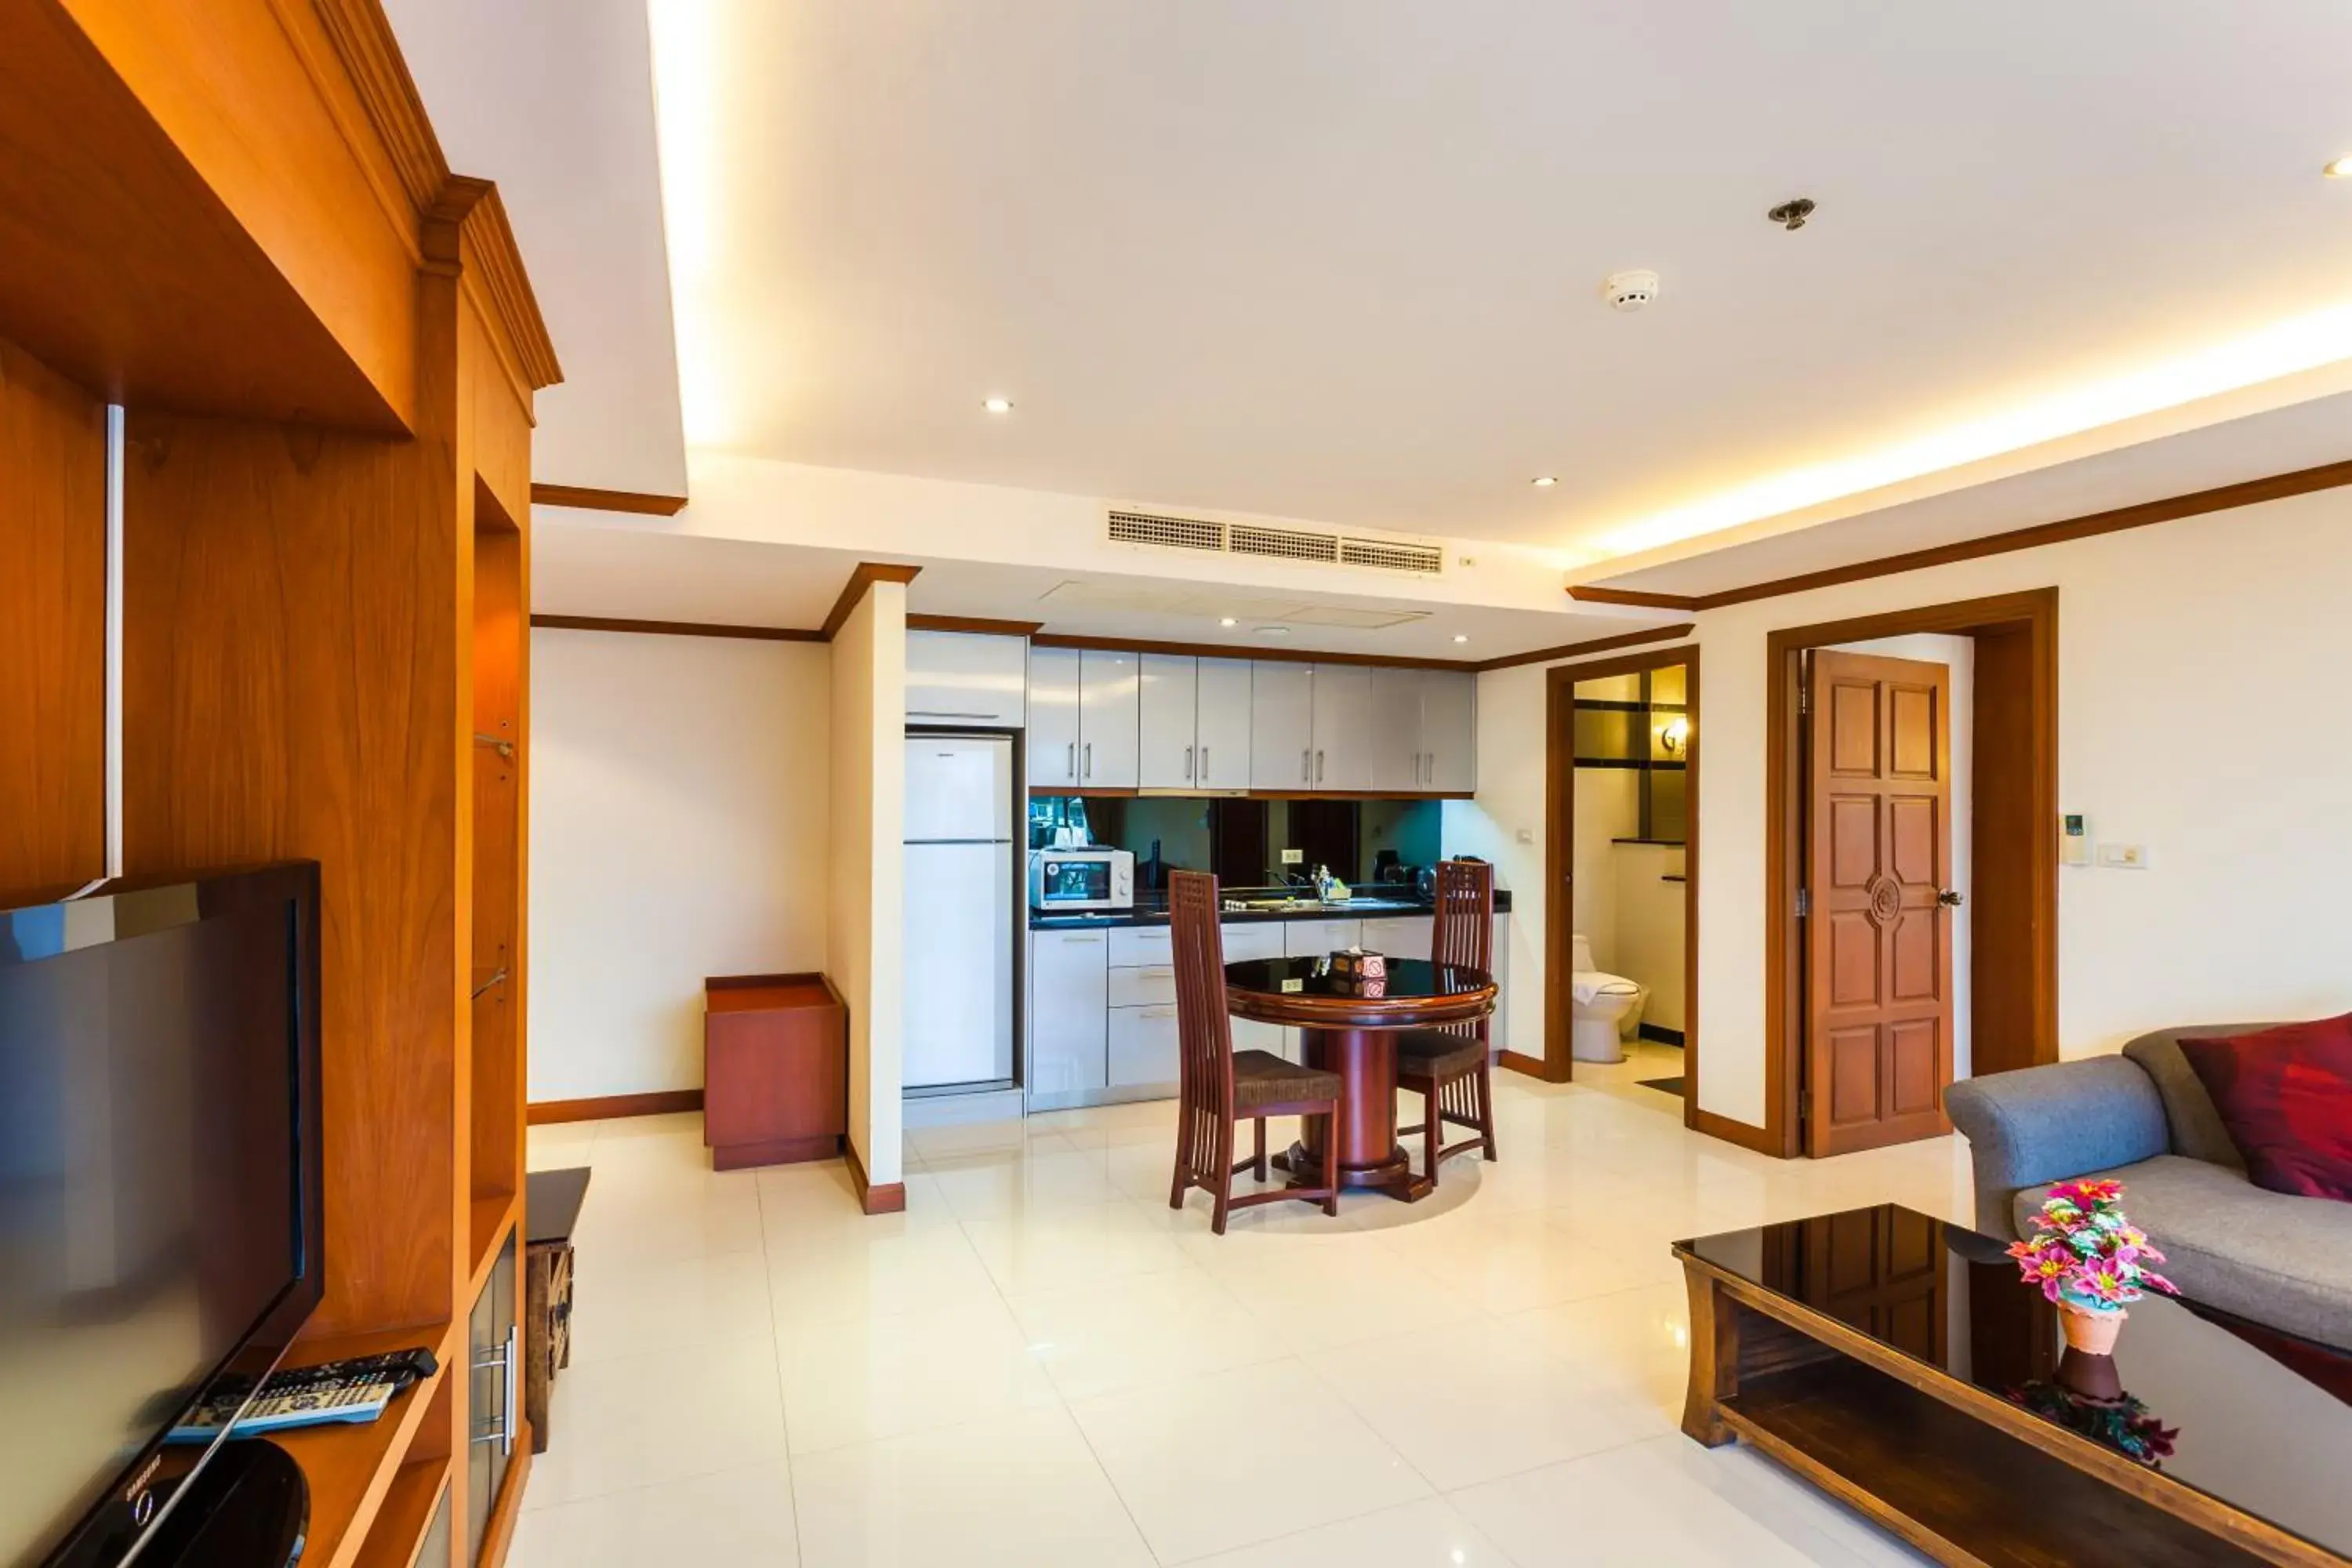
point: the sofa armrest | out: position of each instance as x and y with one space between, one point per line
2049 1123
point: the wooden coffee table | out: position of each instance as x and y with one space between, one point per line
1897 1362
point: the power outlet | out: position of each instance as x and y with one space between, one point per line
1293 857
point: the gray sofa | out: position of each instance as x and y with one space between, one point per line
2145 1120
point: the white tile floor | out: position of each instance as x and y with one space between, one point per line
1040 1363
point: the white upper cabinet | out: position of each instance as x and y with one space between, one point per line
1449 731
1343 727
1398 758
1170 753
959 677
1222 729
1109 692
1282 726
1054 717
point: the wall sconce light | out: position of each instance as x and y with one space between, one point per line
1674 737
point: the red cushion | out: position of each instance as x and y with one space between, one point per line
2286 1094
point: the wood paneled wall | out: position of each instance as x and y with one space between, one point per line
52 627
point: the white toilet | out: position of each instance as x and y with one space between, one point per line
1604 1008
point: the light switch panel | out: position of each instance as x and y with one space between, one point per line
2124 856
1527 836
1293 857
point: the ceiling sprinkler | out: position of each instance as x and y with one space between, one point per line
1791 216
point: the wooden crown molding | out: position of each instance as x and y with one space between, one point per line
676 628
1590 646
506 284
2197 503
980 624
585 499
363 41
862 577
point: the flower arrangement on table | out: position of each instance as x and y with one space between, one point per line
2090 1260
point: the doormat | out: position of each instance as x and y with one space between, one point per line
1673 1086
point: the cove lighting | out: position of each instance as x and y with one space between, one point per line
2301 343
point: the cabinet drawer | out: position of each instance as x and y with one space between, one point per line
1133 946
1313 938
1249 1035
1153 985
1253 940
1143 1048
1399 936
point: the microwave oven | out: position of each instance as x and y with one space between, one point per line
1065 881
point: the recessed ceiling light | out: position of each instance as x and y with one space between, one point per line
1461 637
998 404
1545 483
2340 169
1274 631
1229 621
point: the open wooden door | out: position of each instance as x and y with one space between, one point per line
1879 990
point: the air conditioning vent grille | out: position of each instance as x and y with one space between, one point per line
1392 557
1285 543
1171 532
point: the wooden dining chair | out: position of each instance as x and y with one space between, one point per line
1221 1085
1448 1066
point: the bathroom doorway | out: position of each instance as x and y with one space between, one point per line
1620 936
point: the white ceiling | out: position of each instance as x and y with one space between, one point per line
1337 260
639 573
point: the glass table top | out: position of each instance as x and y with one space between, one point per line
1408 979
2255 1417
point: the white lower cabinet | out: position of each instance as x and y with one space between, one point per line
1069 993
1397 936
1319 939
1143 1048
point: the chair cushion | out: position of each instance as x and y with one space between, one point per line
1434 1053
1261 1078
2284 1262
2286 1095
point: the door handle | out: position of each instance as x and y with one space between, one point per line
1949 897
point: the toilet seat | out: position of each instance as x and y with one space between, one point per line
1590 985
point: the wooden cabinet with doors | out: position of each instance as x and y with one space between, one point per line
326 360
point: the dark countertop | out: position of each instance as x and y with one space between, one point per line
1151 909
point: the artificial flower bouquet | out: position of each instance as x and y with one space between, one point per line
2090 1260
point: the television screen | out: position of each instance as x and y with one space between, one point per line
158 1193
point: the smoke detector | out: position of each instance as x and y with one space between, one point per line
1629 290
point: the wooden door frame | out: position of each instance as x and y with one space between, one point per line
2033 967
1558 1063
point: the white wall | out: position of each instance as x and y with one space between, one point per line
865 881
1652 934
1959 655
2187 653
1509 804
677 830
1608 808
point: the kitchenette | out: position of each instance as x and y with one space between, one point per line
1316 790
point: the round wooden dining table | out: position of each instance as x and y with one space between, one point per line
1348 1026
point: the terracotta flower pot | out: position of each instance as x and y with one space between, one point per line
2092 1334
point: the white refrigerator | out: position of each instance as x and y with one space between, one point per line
959 907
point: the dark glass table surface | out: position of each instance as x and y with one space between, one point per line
1408 978
2262 1420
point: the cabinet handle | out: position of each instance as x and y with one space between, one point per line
1089 749
509 1362
1188 763
1088 940
1070 764
1204 765
1318 767
1306 765
945 714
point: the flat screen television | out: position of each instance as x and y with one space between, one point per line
159 1195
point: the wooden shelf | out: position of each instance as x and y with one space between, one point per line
1950 1484
352 1469
489 1219
406 1514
